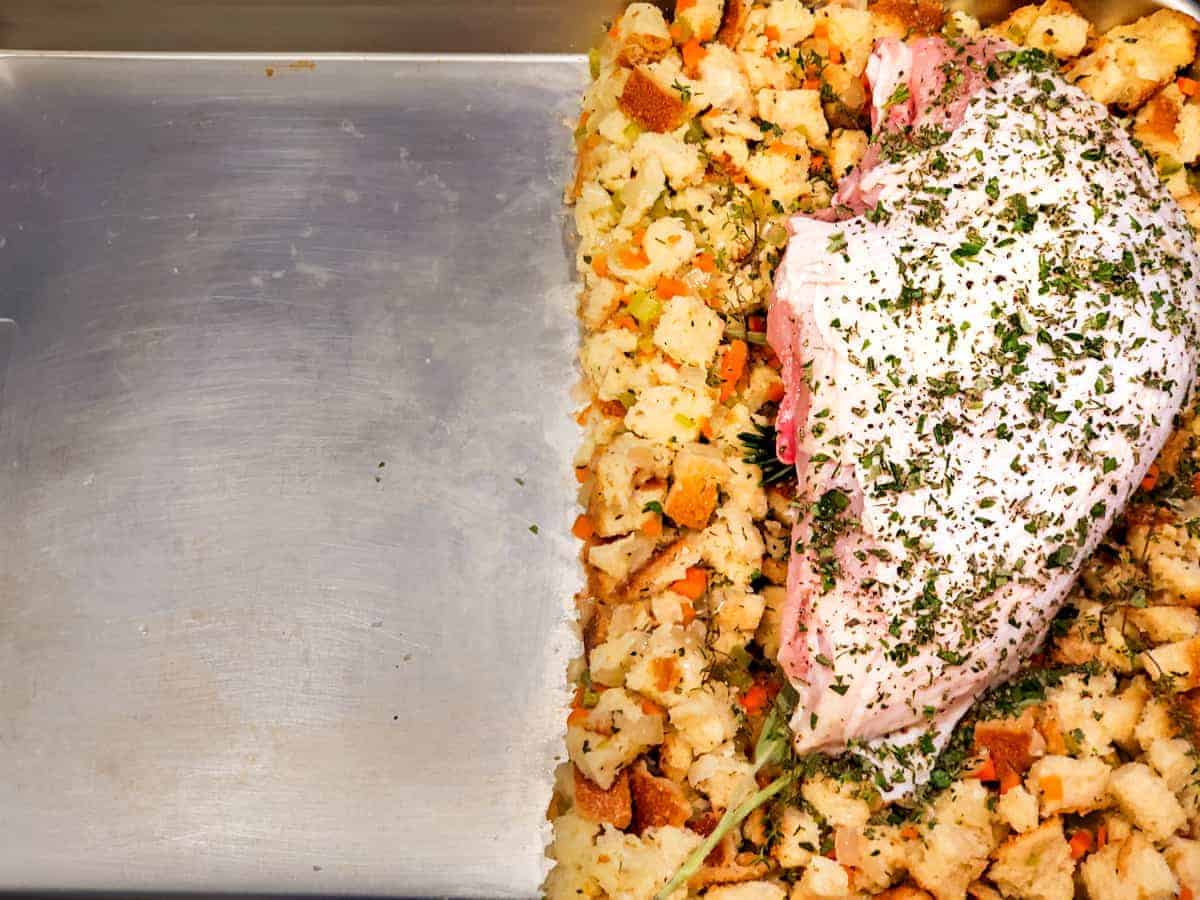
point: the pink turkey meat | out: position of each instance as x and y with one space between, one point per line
984 344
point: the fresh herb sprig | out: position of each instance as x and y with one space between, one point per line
760 451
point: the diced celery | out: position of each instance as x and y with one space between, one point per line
645 307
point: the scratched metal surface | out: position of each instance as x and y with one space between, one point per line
235 651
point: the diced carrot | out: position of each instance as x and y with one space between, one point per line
683 5
986 772
772 33
733 362
615 32
756 323
1101 837
667 288
706 428
786 149
1081 843
613 408
776 392
693 54
652 527
727 390
812 84
581 417
688 612
582 474
600 265
1009 780
817 163
1185 893
706 263
1052 789
633 257
583 529
831 853
578 717
639 237
1187 86
821 29
650 708
754 699
627 322
1151 478
693 584
909 832
835 55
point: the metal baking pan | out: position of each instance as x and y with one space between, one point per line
286 350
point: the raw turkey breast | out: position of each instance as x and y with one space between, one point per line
984 351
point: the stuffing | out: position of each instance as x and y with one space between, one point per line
769 626
1035 865
799 838
574 853
1183 856
902 18
743 488
599 301
723 775
613 806
1129 63
656 801
824 879
852 31
1179 662
668 245
631 868
620 558
689 331
846 149
953 851
734 21
1054 27
675 756
668 666
680 161
1064 784
1173 558
606 361
733 546
1009 742
730 151
1147 800
642 34
610 660
699 472
750 890
668 567
706 717
1019 809
1088 712
736 618
798 110
781 170
789 21
611 735
723 83
1129 870
765 386
650 104
876 856
639 195
1165 624
835 802
699 19
1168 126
670 414
1175 760
1154 724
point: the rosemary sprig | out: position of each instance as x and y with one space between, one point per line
760 450
774 746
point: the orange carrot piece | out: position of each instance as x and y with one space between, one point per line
772 33
1052 789
706 428
578 717
693 54
754 699
986 772
812 84
668 288
1101 837
688 611
1151 479
706 263
1187 86
835 55
633 257
600 265
650 708
582 474
821 29
627 322
1185 893
909 832
1081 843
1009 780
733 363
776 392
652 527
583 529
693 584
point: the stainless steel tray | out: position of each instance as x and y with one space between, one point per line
287 388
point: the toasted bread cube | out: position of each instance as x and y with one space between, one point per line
1128 870
1169 127
612 806
650 104
689 331
642 34
1147 800
1079 785
1019 808
902 18
1054 27
791 21
1036 864
1180 662
796 110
